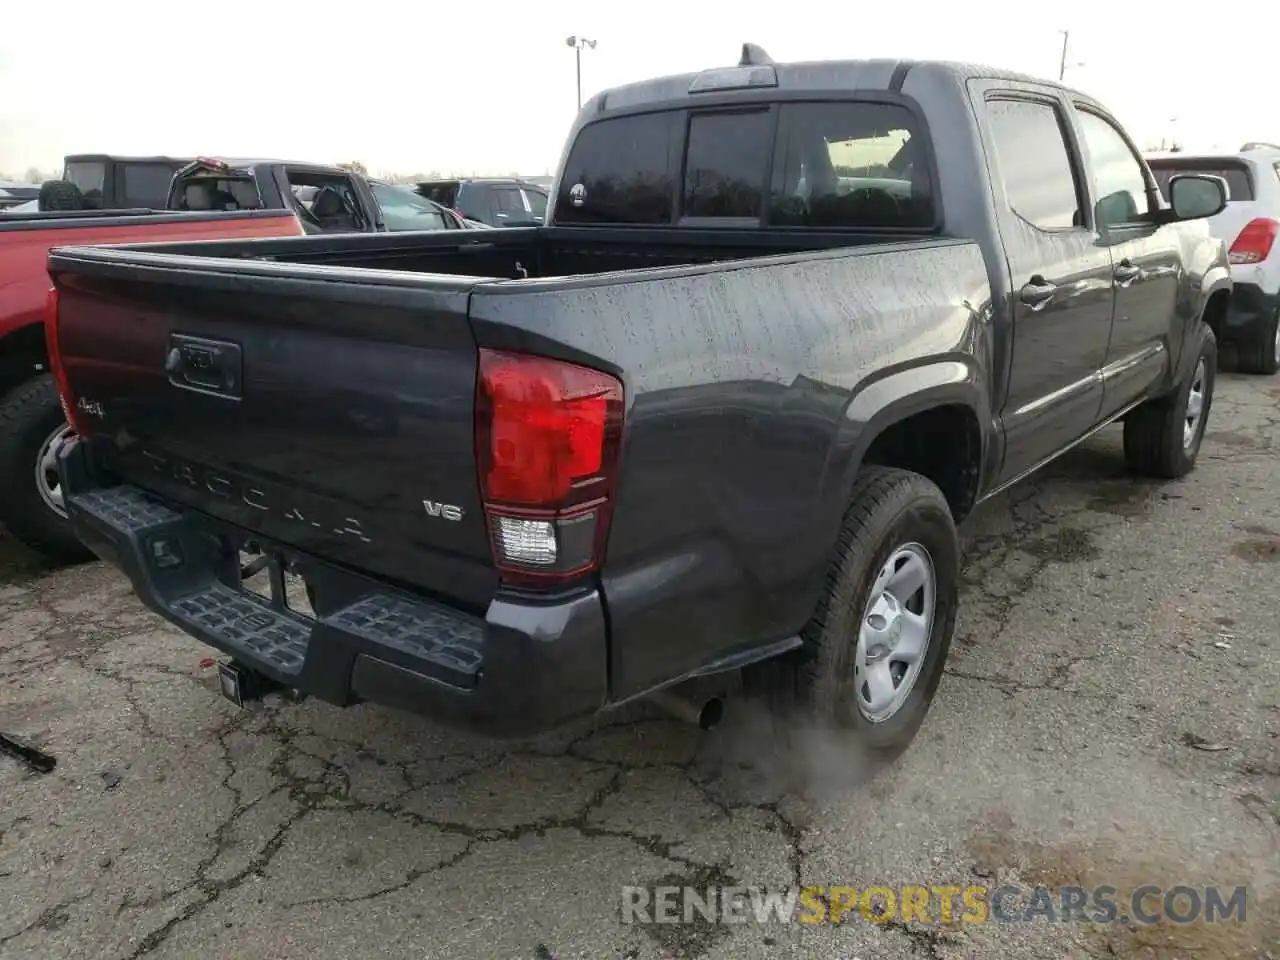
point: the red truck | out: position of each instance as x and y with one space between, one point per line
32 423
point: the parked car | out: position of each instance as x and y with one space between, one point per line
1248 225
103 181
32 422
404 209
495 202
24 206
326 199
14 195
706 425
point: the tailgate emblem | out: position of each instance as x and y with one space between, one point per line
448 511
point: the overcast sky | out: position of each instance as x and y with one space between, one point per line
489 87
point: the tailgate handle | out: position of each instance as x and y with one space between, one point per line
203 365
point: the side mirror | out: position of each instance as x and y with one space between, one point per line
1196 195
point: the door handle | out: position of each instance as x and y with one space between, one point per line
1037 292
1126 273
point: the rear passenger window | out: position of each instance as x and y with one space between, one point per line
146 184
508 200
850 165
1034 163
725 164
619 171
537 202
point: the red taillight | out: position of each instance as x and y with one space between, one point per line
547 436
1255 240
53 347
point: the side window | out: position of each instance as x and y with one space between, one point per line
146 184
619 172
537 202
334 205
1035 164
1277 169
1122 189
850 165
725 164
403 210
509 201
91 178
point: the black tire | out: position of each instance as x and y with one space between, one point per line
29 414
814 686
60 195
1261 352
1154 444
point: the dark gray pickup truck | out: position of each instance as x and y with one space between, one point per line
712 426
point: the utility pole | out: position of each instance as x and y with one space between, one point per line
1062 64
578 43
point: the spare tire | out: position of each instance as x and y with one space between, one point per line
61 195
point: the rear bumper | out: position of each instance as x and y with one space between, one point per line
1249 312
517 671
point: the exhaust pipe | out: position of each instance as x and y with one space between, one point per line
703 714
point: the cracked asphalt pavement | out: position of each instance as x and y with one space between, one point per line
1110 716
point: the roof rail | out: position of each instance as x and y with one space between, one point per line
753 55
1259 145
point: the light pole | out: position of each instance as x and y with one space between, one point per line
578 43
1062 63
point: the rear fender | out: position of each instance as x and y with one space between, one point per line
898 395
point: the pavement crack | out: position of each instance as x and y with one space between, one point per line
927 941
794 835
412 877
51 918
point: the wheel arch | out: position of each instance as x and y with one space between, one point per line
929 420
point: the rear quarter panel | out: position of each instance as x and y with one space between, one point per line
752 391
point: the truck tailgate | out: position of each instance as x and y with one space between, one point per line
335 418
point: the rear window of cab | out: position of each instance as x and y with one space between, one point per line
822 165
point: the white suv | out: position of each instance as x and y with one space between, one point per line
1249 225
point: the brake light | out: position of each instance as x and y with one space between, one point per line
53 347
213 164
1255 240
547 440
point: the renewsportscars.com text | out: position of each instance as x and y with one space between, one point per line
1149 904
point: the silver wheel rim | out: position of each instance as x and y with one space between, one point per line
47 481
1195 407
1277 344
893 635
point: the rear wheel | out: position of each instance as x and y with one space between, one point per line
875 649
32 428
1162 437
1261 352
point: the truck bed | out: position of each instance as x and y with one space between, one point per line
528 252
348 432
